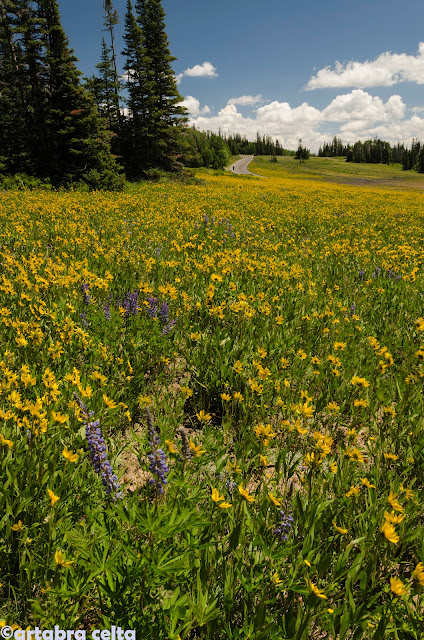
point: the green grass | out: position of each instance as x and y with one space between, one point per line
338 170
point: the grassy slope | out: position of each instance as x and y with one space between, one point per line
339 171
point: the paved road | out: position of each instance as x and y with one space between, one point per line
241 167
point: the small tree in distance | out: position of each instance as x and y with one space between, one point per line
302 152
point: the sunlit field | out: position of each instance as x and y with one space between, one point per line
211 402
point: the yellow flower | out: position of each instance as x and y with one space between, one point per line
203 417
408 493
313 587
276 579
360 382
264 433
111 404
353 491
238 396
197 449
333 467
245 494
8 443
225 505
394 503
261 352
339 529
238 366
59 559
394 518
367 483
333 407
418 573
420 324
53 498
215 496
273 499
226 397
312 460
339 345
355 454
390 532
187 392
360 403
397 586
171 446
59 418
390 456
18 526
195 336
69 455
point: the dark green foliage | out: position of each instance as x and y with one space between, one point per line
103 90
200 149
50 127
155 119
333 149
302 152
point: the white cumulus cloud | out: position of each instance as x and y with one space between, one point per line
360 105
352 116
204 70
246 100
193 106
386 70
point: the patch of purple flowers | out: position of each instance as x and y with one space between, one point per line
85 293
284 524
98 452
157 458
130 303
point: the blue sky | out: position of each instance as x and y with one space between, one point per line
350 68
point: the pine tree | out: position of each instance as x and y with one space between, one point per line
78 142
105 90
135 126
111 21
165 117
15 151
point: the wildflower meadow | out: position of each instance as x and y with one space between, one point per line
211 409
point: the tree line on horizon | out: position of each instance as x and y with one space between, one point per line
377 152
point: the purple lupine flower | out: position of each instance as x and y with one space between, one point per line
152 309
361 274
157 458
130 303
83 317
230 485
106 311
85 293
164 312
284 524
352 309
168 327
98 452
398 278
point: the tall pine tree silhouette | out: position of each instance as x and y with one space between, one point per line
153 102
79 143
57 128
